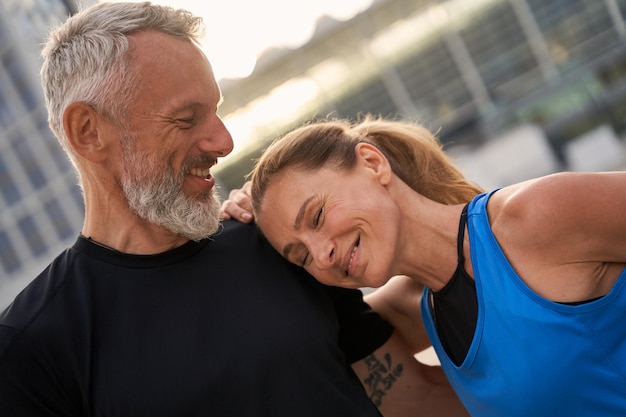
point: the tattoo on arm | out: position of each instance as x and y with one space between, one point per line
382 375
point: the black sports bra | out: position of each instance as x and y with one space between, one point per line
455 306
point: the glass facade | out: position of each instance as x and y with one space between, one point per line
470 70
41 210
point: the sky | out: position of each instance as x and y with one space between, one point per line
238 31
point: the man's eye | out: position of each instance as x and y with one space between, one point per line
186 121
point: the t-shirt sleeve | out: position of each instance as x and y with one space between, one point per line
362 330
28 386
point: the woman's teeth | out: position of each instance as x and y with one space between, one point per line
352 255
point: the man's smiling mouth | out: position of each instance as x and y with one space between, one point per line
201 172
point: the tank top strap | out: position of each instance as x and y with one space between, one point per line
461 235
455 306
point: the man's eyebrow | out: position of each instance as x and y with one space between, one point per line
181 106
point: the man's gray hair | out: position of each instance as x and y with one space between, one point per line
87 59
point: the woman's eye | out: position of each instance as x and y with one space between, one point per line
318 216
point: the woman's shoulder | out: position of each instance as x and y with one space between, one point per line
530 208
557 193
522 199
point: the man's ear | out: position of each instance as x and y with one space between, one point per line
83 128
372 158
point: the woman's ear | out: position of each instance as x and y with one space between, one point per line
370 157
82 128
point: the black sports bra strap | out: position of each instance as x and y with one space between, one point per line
461 235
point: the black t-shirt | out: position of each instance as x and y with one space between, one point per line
221 327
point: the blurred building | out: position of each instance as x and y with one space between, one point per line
514 88
41 207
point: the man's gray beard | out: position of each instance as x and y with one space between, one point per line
157 197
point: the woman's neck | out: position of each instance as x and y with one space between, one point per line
428 240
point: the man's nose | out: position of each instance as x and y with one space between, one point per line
217 139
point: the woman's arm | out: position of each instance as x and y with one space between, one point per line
398 302
400 386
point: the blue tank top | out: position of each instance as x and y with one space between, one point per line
531 356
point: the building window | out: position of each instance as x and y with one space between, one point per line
10 191
574 30
31 234
3 36
7 114
55 151
372 97
17 73
77 195
8 256
59 220
29 162
498 47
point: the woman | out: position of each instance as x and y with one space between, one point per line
524 299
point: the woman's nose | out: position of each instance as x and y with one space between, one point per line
323 253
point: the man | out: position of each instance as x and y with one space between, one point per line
145 315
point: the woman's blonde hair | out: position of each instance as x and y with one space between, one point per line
416 156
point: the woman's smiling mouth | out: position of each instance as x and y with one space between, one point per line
349 268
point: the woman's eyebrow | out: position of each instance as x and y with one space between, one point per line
298 222
297 225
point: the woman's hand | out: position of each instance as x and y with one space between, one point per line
239 205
